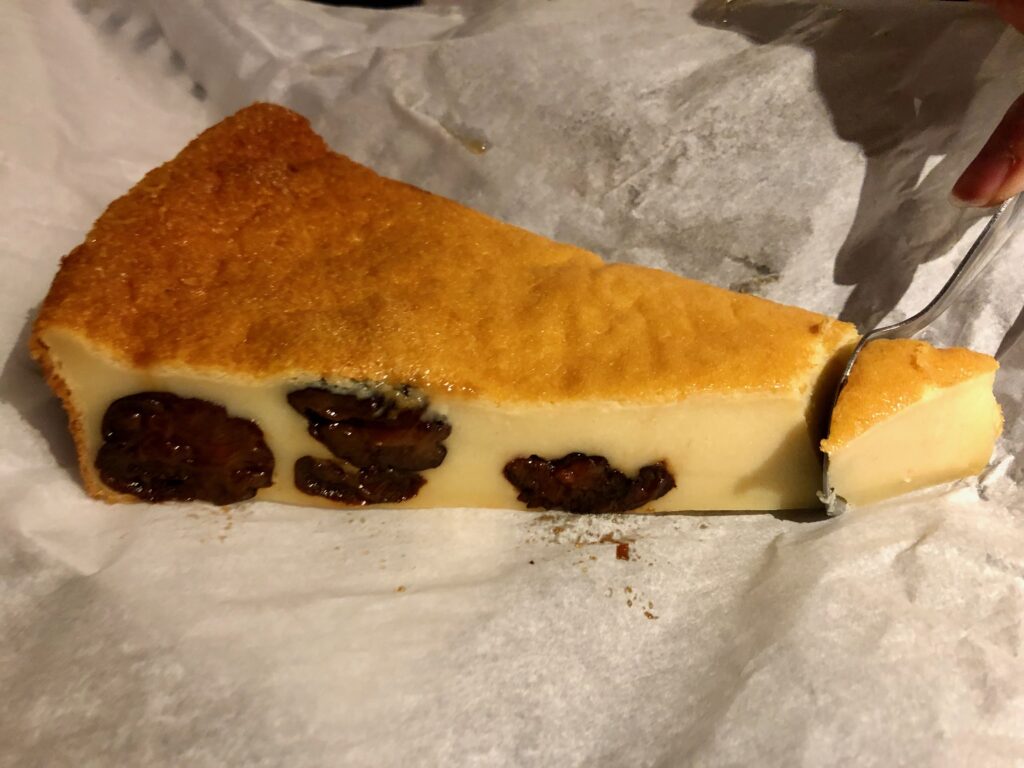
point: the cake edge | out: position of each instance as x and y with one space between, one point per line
40 352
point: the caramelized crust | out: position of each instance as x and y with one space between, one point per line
891 374
258 252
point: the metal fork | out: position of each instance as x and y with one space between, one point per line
980 255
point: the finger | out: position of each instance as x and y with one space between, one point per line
1012 11
998 171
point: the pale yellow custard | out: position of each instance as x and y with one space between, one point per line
911 416
477 364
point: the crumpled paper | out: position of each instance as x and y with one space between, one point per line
801 151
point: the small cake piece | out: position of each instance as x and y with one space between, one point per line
261 317
911 416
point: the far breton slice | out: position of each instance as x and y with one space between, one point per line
263 317
911 416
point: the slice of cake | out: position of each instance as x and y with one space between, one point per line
263 317
910 416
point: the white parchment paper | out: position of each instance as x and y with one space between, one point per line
801 151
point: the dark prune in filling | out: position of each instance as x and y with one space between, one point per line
415 446
158 446
317 403
585 484
373 431
382 440
351 485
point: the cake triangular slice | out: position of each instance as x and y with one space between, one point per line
263 317
911 416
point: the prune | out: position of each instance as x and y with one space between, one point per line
381 440
414 447
325 405
162 447
585 484
374 430
352 485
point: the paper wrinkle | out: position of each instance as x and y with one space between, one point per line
796 150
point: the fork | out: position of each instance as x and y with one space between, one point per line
992 238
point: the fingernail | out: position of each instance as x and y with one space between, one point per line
983 178
956 202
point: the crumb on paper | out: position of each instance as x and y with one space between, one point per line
580 531
400 588
763 275
636 599
476 146
754 284
472 140
225 514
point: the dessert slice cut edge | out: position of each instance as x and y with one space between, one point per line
911 416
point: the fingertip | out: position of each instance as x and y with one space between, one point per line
984 179
1014 185
959 202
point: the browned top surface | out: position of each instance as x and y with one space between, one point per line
257 251
891 374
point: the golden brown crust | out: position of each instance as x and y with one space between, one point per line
258 252
891 374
